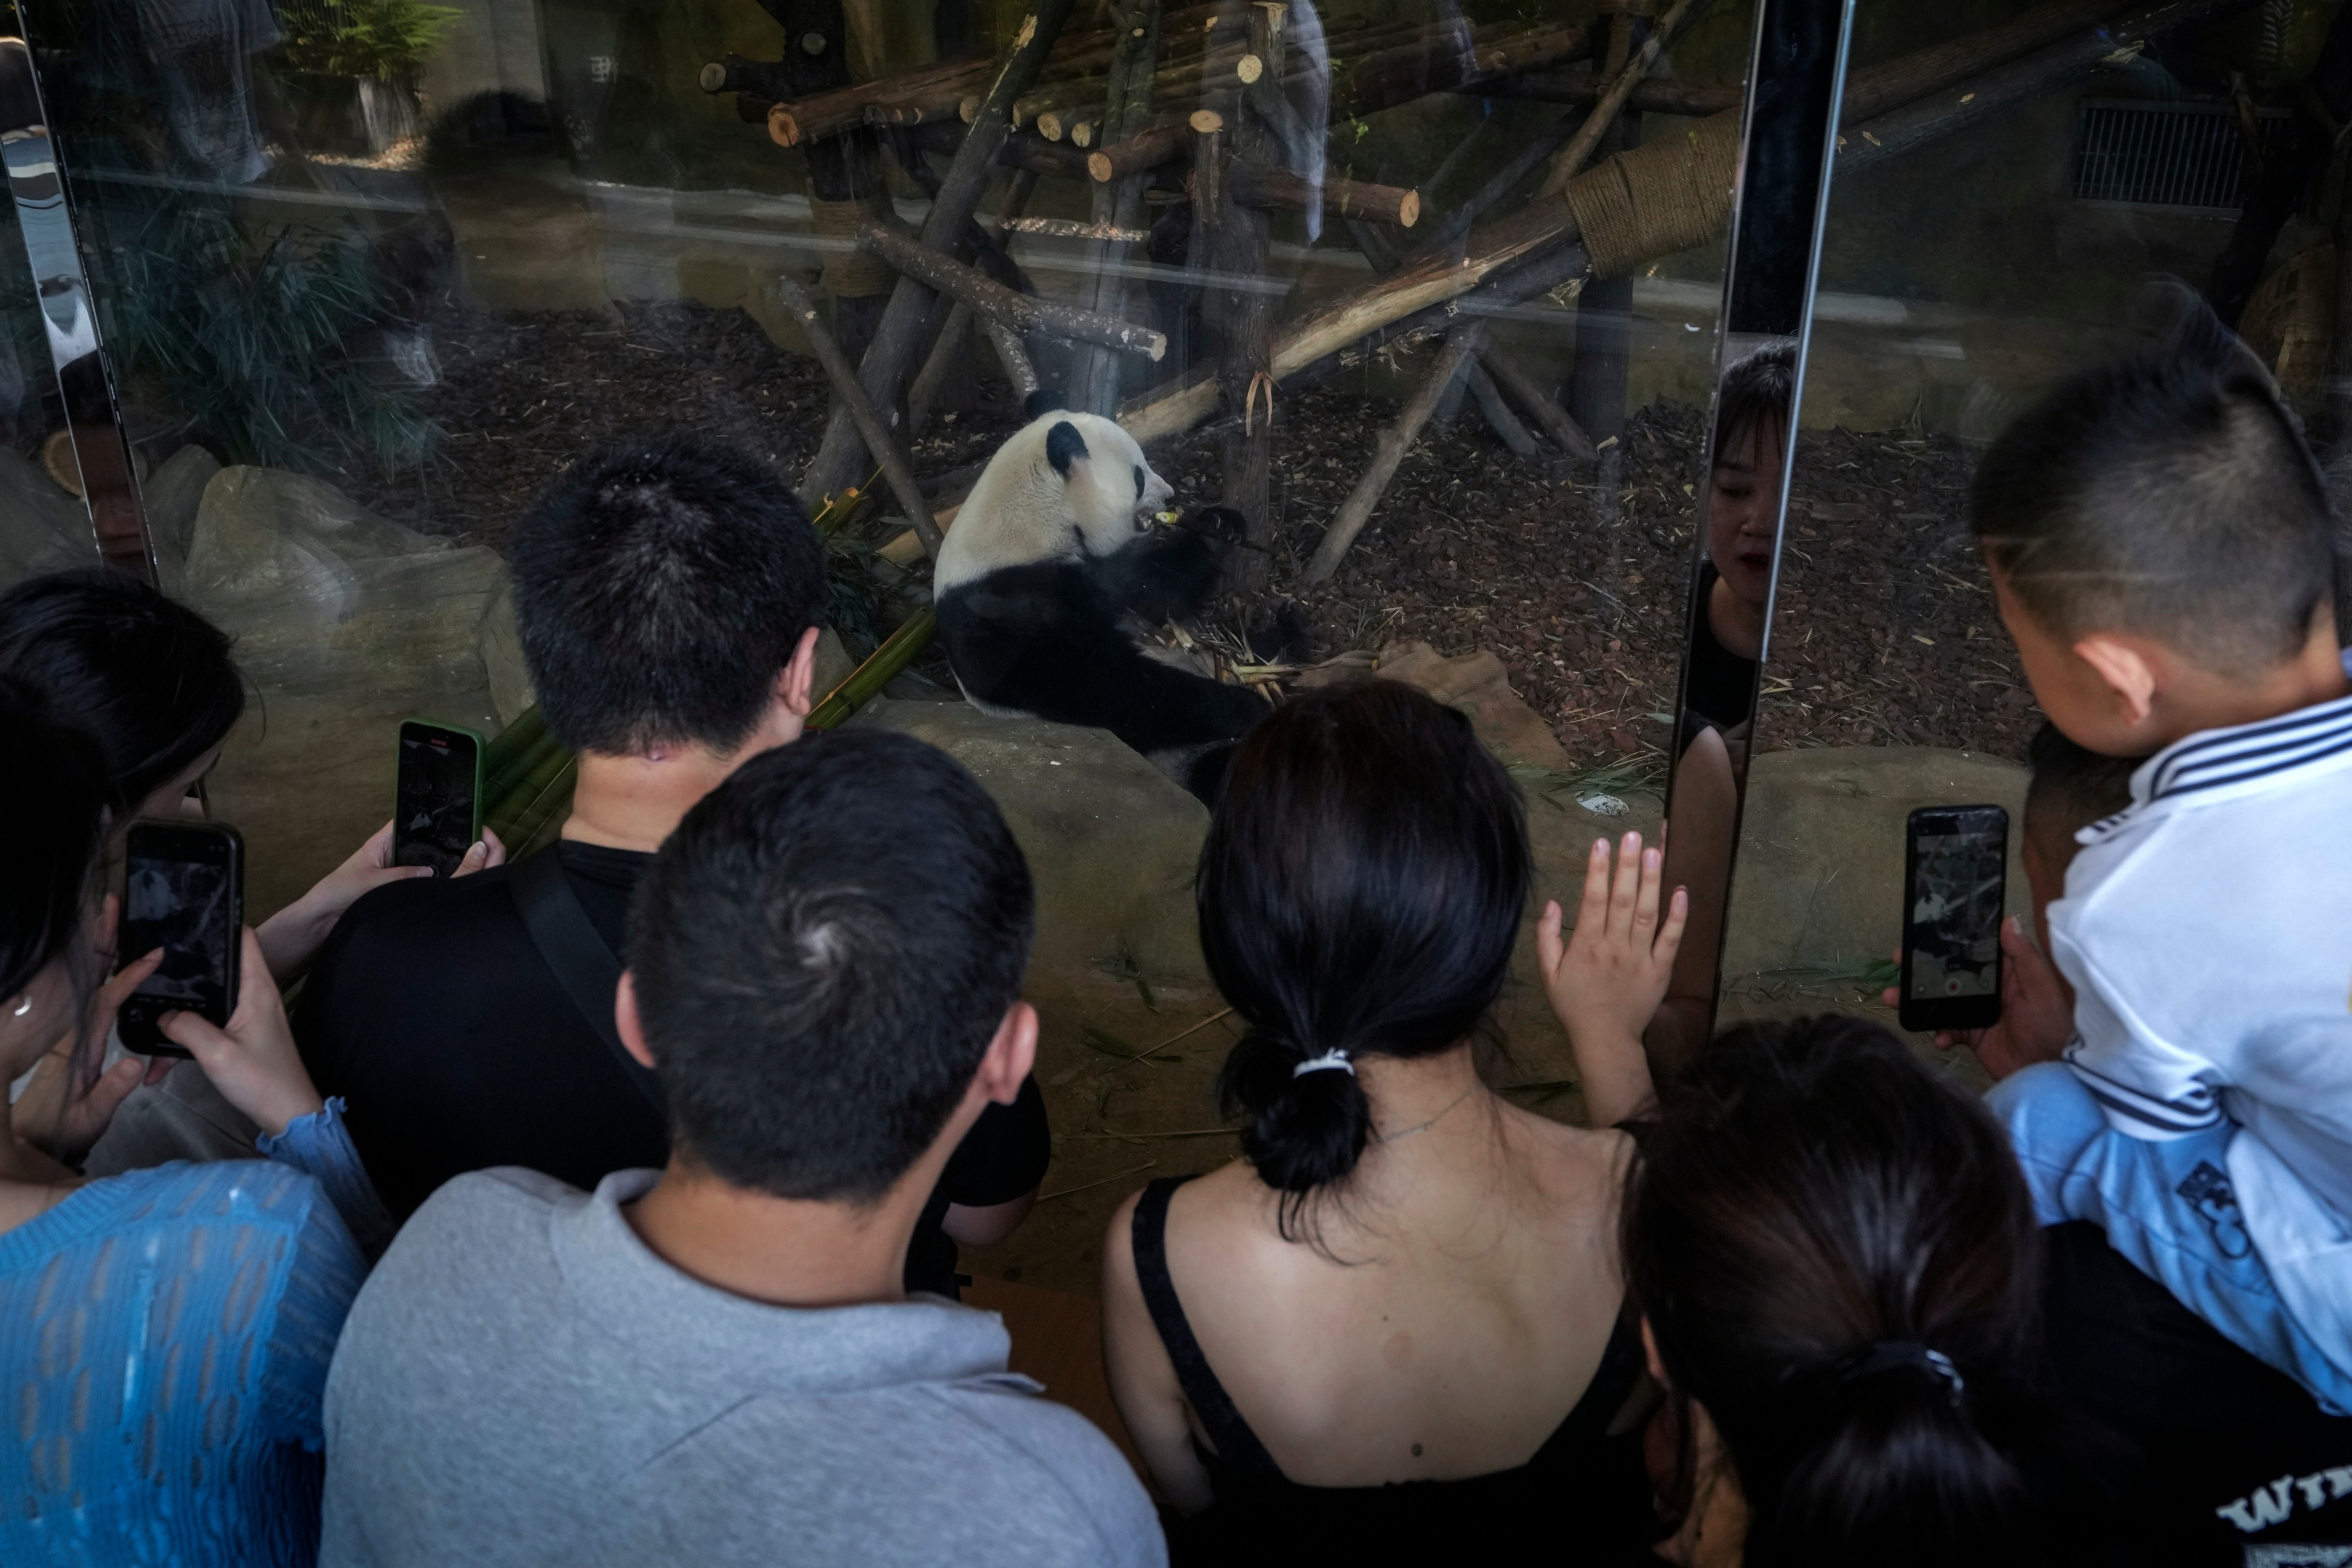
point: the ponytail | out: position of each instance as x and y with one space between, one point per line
1890 1464
1836 1257
1308 1118
1360 893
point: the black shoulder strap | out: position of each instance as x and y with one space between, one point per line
1236 1445
583 965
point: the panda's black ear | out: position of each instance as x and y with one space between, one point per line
1065 445
1041 402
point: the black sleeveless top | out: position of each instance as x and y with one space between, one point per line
1584 1492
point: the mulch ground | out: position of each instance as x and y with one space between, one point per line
1886 630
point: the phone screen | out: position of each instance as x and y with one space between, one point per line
183 892
439 784
1958 885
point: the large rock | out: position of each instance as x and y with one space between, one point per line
1111 842
1478 684
326 598
42 528
1819 885
345 623
173 495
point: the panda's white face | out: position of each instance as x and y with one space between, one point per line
1064 486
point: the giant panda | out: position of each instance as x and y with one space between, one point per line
1052 569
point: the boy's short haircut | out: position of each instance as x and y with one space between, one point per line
2168 496
822 952
1756 392
2070 785
659 587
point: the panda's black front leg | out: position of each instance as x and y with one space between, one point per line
1170 577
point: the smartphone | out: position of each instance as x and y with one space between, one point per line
1955 884
183 891
437 809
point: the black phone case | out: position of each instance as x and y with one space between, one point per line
1928 1014
138 1021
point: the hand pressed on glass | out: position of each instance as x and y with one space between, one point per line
1605 979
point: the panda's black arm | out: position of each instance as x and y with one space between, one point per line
1168 577
1046 640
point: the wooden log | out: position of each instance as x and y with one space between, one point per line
1126 106
1021 312
1245 361
899 337
947 356
1513 377
879 440
1140 155
1691 99
1497 412
1028 151
1571 158
1946 109
1273 187
1013 355
1505 179
1461 346
824 114
1545 232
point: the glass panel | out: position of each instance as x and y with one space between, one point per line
1984 242
372 273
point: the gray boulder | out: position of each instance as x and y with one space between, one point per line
173 495
42 528
1111 843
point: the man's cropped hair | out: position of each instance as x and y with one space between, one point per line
659 588
822 952
2168 496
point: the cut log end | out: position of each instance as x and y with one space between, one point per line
1409 210
1249 68
1207 121
1049 126
712 77
782 129
969 110
1099 165
1082 133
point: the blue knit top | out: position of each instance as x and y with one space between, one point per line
165 1337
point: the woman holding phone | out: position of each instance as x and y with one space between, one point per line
164 1335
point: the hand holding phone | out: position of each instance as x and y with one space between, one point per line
1955 883
183 892
436 813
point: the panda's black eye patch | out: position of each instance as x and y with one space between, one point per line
1138 481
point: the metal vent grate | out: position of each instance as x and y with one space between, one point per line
2172 155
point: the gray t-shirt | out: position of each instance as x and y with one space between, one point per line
522 1380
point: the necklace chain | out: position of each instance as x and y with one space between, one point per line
1407 1132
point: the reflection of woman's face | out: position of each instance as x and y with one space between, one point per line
1740 501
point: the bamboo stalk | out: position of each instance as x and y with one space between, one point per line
880 668
1461 347
879 440
1023 312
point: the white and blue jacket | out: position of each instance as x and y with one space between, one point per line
2207 928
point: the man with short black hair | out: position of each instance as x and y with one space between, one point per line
667 595
717 1363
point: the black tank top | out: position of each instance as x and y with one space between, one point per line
1584 1492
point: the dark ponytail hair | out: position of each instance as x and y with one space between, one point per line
1838 1261
1360 891
149 678
51 785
